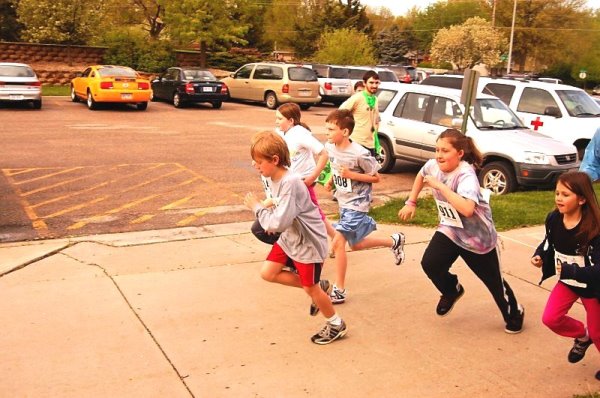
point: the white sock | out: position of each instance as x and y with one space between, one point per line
335 320
584 338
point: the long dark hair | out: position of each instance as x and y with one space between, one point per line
291 110
589 227
463 143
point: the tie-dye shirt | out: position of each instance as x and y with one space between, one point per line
478 233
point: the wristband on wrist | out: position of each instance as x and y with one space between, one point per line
411 203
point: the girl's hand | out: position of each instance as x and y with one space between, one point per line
407 212
250 200
432 182
537 261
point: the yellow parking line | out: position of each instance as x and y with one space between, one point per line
77 207
144 218
38 224
177 203
190 219
58 184
12 172
152 180
49 175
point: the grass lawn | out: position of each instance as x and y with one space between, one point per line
515 210
56 90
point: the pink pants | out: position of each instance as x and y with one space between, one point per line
555 314
313 198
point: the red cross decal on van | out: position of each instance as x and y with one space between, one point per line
536 123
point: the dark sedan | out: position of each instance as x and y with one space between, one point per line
185 85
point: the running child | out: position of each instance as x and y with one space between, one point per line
354 172
466 227
571 250
303 240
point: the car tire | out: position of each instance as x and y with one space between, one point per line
91 104
217 104
271 100
386 159
305 107
37 104
141 106
74 97
153 97
498 177
177 102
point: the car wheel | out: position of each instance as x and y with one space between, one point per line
177 102
305 107
498 177
37 104
153 97
386 158
271 100
217 104
91 104
74 96
141 106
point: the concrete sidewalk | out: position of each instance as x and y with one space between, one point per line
184 313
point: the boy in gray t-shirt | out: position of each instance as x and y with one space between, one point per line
354 171
302 244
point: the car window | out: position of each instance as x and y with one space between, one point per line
412 106
321 70
387 76
16 71
197 74
302 75
86 72
266 72
173 74
502 91
339 73
444 111
244 72
357 73
384 97
491 113
125 72
578 103
443 81
535 100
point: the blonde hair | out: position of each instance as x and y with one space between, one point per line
267 145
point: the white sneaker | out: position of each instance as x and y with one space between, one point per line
337 296
398 247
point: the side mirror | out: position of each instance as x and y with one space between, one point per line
552 111
232 75
457 122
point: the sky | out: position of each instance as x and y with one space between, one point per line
400 7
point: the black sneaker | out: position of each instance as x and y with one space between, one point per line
515 323
446 303
578 351
329 333
326 287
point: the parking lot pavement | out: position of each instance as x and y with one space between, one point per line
184 313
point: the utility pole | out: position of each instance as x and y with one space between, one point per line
494 14
512 35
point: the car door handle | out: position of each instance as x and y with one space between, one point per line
390 123
432 132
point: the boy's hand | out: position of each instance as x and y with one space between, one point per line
345 172
537 261
268 202
250 200
407 212
328 185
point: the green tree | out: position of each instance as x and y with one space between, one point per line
9 26
469 44
393 43
345 46
204 23
60 21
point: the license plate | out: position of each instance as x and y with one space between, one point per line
15 97
305 93
207 89
342 90
126 96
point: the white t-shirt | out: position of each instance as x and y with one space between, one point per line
303 147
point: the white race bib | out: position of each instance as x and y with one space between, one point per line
267 186
343 184
448 214
565 258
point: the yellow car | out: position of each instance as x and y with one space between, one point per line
111 83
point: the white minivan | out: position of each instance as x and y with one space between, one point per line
563 112
412 117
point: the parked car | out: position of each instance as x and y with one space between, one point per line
563 112
334 82
110 83
596 90
412 117
274 83
385 75
185 85
404 73
19 83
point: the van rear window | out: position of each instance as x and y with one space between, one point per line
302 75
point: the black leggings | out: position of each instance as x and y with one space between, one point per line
442 253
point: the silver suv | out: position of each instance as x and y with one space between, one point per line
334 81
413 115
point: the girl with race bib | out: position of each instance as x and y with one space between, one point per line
466 227
571 250
354 172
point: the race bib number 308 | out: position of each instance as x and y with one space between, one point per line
342 183
448 214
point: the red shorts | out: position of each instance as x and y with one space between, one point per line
309 274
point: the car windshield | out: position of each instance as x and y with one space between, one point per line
493 114
384 97
302 74
118 71
578 103
16 71
197 74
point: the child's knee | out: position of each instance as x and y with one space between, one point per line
268 273
550 320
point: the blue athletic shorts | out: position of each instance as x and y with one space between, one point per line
354 225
